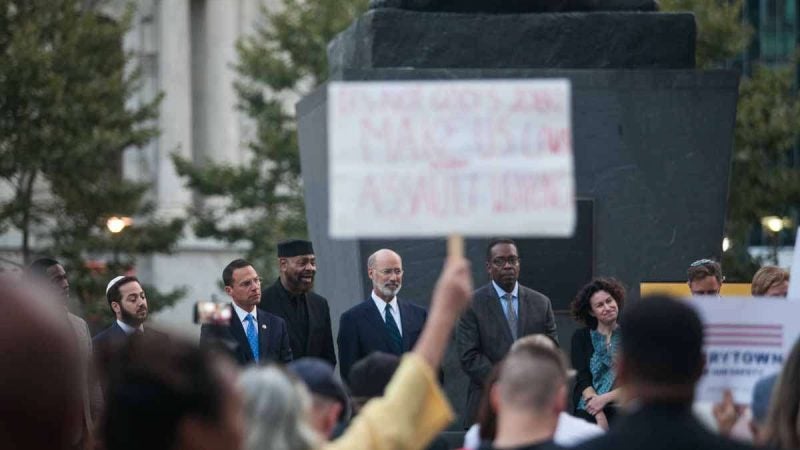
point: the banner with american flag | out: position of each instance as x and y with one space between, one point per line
745 340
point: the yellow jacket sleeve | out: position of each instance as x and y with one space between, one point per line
411 413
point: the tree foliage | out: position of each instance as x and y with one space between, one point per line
65 122
263 200
721 33
763 182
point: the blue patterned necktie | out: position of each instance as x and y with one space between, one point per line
395 338
252 335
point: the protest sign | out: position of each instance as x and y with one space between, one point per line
794 278
745 340
437 158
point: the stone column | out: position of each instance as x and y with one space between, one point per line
222 126
175 81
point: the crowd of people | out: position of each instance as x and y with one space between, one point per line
264 375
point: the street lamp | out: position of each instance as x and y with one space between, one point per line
775 225
117 224
772 223
726 244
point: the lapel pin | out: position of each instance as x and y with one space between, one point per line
263 327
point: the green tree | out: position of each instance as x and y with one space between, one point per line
763 183
64 125
721 33
767 126
284 59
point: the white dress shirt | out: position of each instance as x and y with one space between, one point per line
242 314
570 431
381 304
129 330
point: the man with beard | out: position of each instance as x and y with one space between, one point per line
381 323
51 273
252 335
306 313
127 300
501 312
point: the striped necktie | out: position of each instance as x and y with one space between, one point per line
512 315
395 338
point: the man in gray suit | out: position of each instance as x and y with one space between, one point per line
501 312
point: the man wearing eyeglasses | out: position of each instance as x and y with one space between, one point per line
705 277
253 336
381 323
502 311
290 297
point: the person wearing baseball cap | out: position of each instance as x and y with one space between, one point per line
330 404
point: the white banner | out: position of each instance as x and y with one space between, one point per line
745 340
794 276
425 159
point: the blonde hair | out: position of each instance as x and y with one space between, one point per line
532 373
767 277
533 340
782 428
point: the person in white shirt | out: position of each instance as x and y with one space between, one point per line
569 431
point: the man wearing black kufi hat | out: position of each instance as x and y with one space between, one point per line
306 313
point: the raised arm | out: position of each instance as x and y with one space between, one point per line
414 408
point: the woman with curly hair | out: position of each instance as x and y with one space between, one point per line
597 306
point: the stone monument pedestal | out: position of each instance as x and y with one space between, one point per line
652 142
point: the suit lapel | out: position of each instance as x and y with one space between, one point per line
119 333
497 311
237 331
264 331
522 311
405 324
311 306
375 321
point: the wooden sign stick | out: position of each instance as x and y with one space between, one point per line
455 246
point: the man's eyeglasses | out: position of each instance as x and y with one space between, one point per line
501 262
387 272
248 283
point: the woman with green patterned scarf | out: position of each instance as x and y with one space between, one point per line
597 306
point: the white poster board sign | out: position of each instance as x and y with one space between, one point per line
745 340
794 276
435 158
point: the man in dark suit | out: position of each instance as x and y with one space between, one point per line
501 312
252 335
659 365
306 313
128 302
381 323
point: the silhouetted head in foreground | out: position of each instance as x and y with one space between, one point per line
661 356
39 389
169 395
